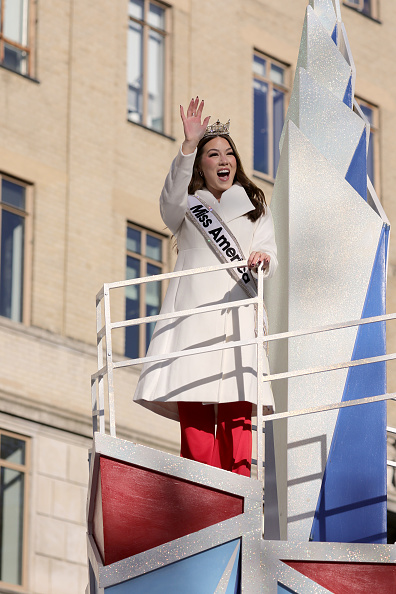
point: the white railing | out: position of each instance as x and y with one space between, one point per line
107 365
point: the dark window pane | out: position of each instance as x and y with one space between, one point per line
153 300
134 241
154 248
15 59
12 194
278 111
367 7
260 126
12 449
132 309
11 525
11 271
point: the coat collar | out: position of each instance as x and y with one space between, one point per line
234 202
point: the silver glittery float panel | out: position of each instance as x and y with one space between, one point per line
332 236
327 238
247 525
273 552
319 117
324 10
321 58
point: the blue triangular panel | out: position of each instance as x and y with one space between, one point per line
357 172
196 574
334 35
284 590
235 577
352 501
348 99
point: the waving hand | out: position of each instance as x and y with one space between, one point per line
194 129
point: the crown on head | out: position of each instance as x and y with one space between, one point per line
217 128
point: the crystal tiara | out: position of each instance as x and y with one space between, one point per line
217 128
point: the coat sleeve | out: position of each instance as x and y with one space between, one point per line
264 241
173 199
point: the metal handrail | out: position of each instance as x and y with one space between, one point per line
106 364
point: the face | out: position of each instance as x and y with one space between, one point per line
218 165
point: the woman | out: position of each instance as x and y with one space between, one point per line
198 388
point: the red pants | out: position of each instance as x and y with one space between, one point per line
230 448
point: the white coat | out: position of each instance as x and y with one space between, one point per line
218 376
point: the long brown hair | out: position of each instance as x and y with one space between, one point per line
255 193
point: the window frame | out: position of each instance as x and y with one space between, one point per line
375 138
165 33
30 39
28 241
358 4
26 469
373 13
144 260
285 88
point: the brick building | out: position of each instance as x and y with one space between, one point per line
89 123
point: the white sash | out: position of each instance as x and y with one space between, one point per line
224 244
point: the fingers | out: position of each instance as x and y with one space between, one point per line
196 103
200 109
193 128
195 108
258 258
192 108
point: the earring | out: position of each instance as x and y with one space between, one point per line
200 173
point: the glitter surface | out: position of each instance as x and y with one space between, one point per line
327 237
247 525
335 265
320 57
319 116
324 9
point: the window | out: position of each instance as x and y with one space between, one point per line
145 257
147 61
269 96
367 7
371 112
14 458
14 197
16 35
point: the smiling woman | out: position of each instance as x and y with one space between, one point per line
218 166
216 214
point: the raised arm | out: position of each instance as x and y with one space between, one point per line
173 199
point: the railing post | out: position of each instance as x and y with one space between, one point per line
109 359
260 372
95 408
100 380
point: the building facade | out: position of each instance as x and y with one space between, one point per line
89 124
